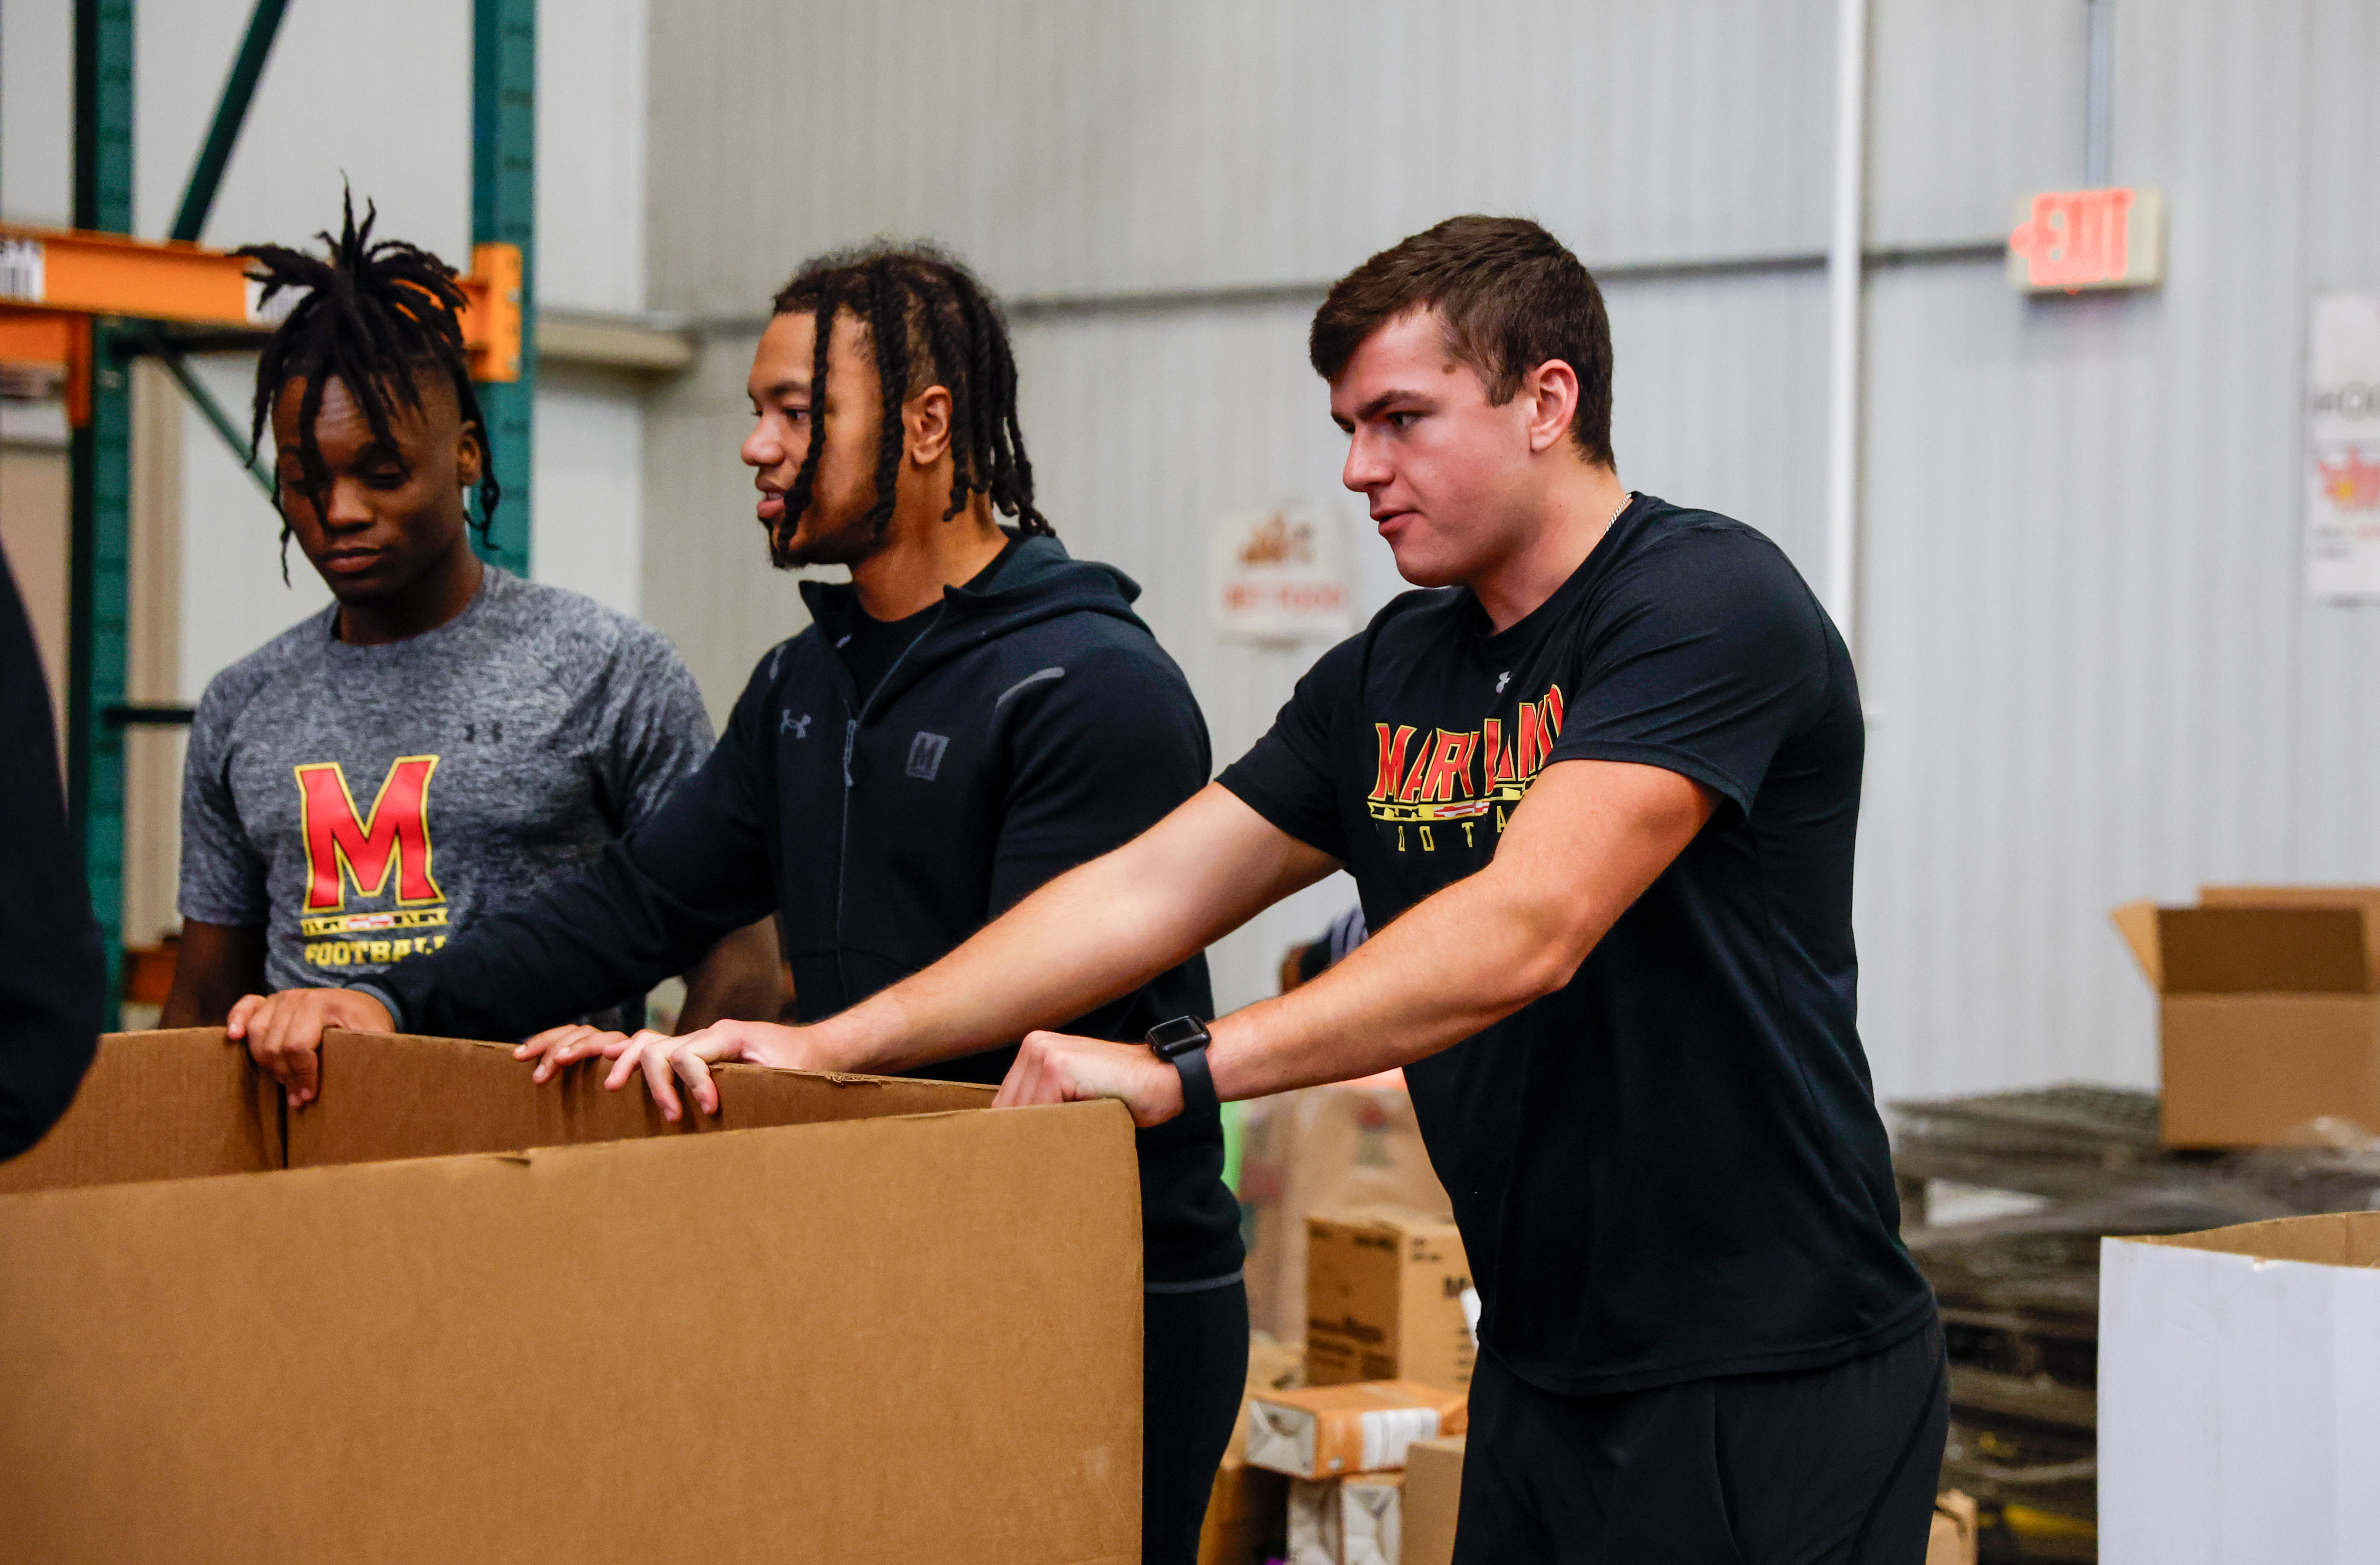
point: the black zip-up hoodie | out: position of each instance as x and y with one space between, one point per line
1034 725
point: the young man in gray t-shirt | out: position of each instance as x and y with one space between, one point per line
445 739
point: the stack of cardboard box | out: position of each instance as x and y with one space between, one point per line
1344 1448
1317 1469
1320 1150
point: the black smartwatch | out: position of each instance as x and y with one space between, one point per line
1183 1043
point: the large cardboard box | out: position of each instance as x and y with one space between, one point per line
1322 1147
2240 1394
2268 1010
1388 1297
578 1333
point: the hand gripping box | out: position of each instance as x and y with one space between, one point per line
849 1318
2268 1010
2240 1394
1330 1431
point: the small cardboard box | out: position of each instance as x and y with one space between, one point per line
2240 1393
1330 1431
913 1335
1319 1149
1388 1297
1432 1495
2268 1010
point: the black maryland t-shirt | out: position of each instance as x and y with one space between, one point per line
1673 1166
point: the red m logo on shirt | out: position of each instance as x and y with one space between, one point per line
395 836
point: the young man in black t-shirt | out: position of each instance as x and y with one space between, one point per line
1599 785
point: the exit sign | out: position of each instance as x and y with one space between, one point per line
2078 241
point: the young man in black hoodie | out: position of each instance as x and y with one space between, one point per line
974 715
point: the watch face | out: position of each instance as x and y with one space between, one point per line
1176 1037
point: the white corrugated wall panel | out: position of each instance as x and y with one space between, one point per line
2081 587
1074 145
1971 103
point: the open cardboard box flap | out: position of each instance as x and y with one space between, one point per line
177 1105
911 1335
2240 948
2347 1239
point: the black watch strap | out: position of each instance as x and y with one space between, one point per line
1183 1043
1198 1083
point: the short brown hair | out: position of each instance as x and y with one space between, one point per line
1512 297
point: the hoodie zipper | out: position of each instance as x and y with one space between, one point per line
850 744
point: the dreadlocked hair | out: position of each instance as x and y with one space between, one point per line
931 323
373 316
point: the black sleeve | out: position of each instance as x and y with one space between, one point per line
650 907
1286 776
1101 753
1717 653
52 977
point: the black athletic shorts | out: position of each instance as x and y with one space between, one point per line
1834 1466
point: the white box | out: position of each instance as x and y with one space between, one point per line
2240 1394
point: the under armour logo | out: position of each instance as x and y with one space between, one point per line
799 727
1503 679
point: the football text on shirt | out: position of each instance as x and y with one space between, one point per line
389 844
1425 789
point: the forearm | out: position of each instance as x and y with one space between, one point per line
1088 937
1453 966
591 941
1091 935
1581 849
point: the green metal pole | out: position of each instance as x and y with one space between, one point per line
504 207
212 412
231 112
98 622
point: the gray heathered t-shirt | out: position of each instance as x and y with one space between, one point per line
365 804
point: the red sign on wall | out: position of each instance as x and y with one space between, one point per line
2068 241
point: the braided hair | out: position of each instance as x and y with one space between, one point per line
372 317
931 324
